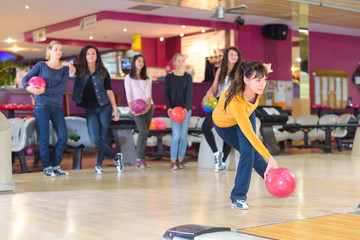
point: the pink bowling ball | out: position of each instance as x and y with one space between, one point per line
29 151
281 182
160 124
37 81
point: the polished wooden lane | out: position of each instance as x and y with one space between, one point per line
143 204
334 227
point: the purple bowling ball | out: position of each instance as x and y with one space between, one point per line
138 105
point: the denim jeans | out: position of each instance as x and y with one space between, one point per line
249 158
43 113
98 121
179 138
143 124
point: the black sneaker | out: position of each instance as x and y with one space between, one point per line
59 172
119 162
48 172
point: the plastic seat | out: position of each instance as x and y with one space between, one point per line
200 122
282 135
150 141
325 119
339 132
194 120
16 124
22 138
305 120
76 127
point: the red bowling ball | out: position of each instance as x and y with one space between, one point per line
177 114
281 182
138 105
37 81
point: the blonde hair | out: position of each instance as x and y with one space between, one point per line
49 47
178 55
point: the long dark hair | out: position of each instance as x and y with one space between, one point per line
245 69
143 75
224 65
81 63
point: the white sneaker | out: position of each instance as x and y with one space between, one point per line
218 160
240 204
222 166
59 172
98 170
49 172
119 162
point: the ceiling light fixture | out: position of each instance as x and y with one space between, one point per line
203 30
27 6
10 40
183 26
161 39
322 4
15 48
91 37
125 29
181 34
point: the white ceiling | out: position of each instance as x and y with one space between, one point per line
15 20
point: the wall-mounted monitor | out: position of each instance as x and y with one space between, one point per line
126 65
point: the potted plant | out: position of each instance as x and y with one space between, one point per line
7 73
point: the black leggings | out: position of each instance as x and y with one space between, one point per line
209 136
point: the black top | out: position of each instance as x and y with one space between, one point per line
89 99
178 91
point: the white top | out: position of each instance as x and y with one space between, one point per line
137 89
223 87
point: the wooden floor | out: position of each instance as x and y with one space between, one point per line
143 204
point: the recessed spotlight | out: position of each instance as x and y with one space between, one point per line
125 29
10 40
203 30
293 69
161 39
183 26
27 6
91 37
181 34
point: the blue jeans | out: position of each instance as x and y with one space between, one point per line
179 138
43 113
249 158
98 121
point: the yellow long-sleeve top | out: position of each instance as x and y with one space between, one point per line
238 112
